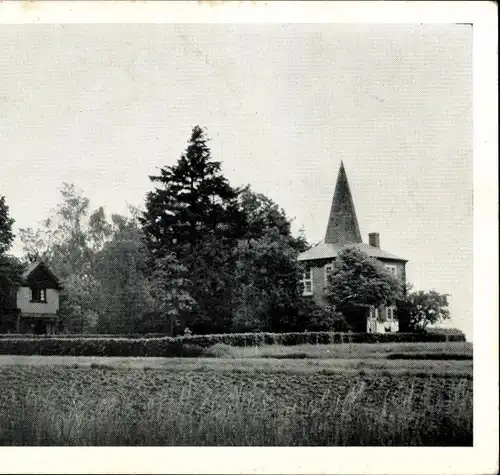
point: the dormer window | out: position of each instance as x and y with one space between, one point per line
38 295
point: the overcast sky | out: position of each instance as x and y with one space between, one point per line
102 106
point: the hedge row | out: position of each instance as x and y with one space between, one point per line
192 346
80 336
289 339
165 347
253 339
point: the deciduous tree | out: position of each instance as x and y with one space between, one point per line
102 264
265 281
358 281
122 293
266 273
421 308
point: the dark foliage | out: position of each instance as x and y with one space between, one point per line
420 308
193 201
358 280
194 216
6 222
10 277
10 268
234 246
160 347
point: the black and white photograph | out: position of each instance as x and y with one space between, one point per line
240 234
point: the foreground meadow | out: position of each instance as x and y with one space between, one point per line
236 401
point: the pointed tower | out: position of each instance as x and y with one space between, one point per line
342 223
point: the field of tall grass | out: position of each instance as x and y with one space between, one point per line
448 350
275 406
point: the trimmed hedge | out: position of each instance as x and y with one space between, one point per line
193 345
289 339
166 347
262 338
74 336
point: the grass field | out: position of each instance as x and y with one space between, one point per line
240 399
253 365
346 350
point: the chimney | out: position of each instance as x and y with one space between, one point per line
374 239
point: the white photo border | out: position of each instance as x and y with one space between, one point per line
483 456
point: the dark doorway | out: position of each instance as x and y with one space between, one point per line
40 328
355 317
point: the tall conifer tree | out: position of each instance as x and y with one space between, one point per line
194 214
193 204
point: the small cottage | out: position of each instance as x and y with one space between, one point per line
37 300
343 231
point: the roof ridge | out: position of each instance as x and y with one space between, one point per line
34 265
330 250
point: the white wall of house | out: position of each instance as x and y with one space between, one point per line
382 327
24 304
382 320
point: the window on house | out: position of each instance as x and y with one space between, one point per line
392 269
307 286
391 313
38 295
374 313
328 271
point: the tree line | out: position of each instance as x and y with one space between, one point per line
201 255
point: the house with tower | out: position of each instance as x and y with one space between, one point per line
343 231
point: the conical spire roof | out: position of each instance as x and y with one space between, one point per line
342 223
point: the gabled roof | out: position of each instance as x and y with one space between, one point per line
342 222
31 267
39 264
330 251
